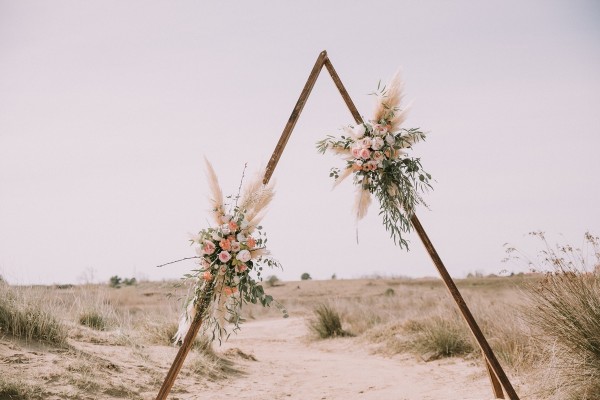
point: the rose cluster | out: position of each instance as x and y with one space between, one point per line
372 145
227 251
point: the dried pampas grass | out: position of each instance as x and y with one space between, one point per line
218 209
362 202
388 104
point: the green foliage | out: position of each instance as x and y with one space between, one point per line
389 292
129 281
114 281
305 276
326 322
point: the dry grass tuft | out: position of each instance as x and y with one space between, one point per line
30 316
326 322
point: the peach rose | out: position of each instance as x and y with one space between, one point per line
241 268
225 244
378 156
233 226
229 290
207 276
251 242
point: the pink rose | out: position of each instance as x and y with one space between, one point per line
224 256
356 152
365 153
235 246
208 247
365 143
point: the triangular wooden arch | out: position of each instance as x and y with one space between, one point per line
498 377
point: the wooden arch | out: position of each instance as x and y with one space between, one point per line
498 378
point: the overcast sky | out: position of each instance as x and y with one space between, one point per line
108 107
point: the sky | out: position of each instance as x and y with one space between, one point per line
108 108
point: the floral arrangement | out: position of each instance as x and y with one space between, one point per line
375 153
231 258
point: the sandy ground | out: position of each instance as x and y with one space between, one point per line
289 366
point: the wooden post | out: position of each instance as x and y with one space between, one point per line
496 374
185 348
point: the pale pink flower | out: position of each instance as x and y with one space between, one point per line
244 256
241 268
390 139
378 156
365 153
356 152
208 247
224 256
365 142
235 246
222 269
377 143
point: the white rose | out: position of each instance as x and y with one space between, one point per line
377 143
390 139
226 218
225 229
241 237
359 131
215 236
244 256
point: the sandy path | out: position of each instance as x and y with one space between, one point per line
290 367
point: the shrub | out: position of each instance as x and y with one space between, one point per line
272 281
443 337
129 281
327 322
114 281
305 276
565 307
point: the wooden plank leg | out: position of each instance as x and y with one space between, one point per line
496 386
188 341
496 373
